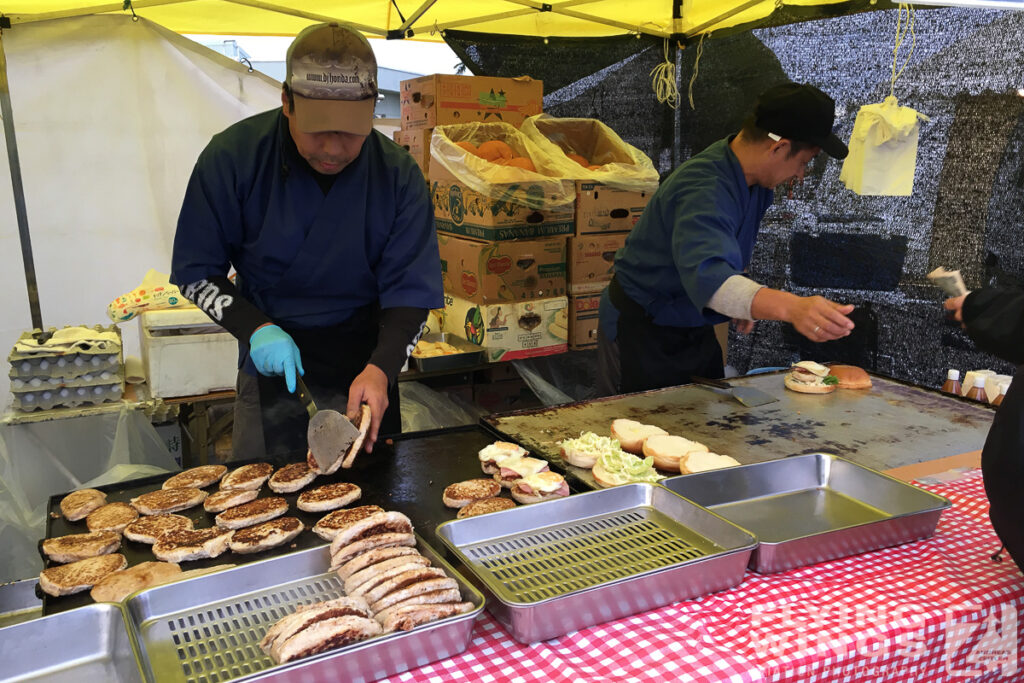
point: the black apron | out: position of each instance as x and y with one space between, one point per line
1002 465
655 356
332 357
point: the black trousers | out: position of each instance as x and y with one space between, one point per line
655 356
1002 465
270 422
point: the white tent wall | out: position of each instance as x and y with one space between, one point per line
110 115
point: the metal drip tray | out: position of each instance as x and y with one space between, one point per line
566 564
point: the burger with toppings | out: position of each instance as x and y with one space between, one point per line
809 377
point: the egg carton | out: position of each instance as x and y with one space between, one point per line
69 365
86 380
67 397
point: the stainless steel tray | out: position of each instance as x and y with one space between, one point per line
18 602
470 354
811 508
91 643
562 565
208 629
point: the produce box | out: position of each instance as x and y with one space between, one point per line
458 210
185 353
417 143
441 99
602 208
485 272
509 331
591 261
583 317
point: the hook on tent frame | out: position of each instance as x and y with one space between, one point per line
128 6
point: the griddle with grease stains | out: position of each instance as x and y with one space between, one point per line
889 425
408 475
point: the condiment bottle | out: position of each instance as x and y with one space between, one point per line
952 385
977 392
1003 387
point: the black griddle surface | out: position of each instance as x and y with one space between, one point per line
408 475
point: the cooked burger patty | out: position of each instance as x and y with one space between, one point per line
111 517
79 576
259 510
265 536
191 544
291 478
197 477
77 504
229 498
248 477
168 500
75 547
329 526
150 528
329 497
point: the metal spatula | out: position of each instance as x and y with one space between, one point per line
748 396
330 433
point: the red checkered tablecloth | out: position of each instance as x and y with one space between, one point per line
935 610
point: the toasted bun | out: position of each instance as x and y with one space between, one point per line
226 499
851 377
632 434
463 493
150 528
702 462
331 524
577 457
485 506
119 585
371 557
111 517
667 450
291 478
254 512
194 544
357 445
804 388
78 504
81 575
602 476
75 547
377 523
248 477
329 497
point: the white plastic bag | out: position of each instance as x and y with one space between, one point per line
883 150
619 164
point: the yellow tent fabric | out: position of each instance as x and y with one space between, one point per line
425 19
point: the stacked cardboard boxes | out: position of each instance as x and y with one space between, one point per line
503 264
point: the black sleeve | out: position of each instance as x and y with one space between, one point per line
220 299
400 329
994 319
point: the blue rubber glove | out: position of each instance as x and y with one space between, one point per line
273 352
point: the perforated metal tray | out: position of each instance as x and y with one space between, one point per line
91 643
208 629
566 564
811 508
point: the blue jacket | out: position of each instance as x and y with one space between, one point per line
307 259
697 231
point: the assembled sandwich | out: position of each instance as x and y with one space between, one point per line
808 377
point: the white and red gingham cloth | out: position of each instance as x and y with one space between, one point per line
939 609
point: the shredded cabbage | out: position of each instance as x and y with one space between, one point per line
625 468
591 443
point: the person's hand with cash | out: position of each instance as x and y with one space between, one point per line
950 282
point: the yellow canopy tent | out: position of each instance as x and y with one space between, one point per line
425 19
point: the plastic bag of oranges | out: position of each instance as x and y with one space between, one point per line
587 149
498 161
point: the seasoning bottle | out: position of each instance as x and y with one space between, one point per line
977 392
1003 387
952 385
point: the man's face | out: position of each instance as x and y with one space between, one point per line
786 167
328 153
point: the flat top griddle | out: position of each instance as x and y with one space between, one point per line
408 475
889 425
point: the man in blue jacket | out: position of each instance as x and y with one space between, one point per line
682 268
330 229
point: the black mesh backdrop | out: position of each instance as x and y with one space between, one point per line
968 197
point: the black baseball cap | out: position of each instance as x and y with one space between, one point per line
800 112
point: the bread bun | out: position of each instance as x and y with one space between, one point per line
603 477
702 462
632 434
803 388
851 377
578 457
668 450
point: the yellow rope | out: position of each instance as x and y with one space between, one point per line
663 81
902 27
696 69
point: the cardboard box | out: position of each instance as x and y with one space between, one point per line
460 211
600 208
417 142
583 315
487 272
203 360
591 260
508 331
443 99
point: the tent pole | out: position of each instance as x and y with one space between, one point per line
19 192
